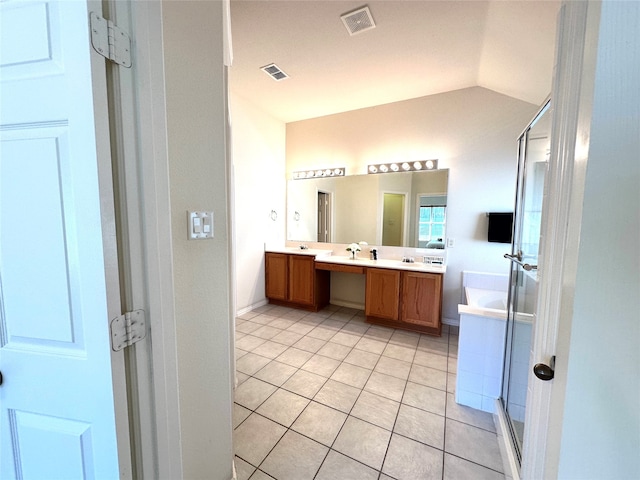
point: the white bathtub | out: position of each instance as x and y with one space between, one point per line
481 348
484 303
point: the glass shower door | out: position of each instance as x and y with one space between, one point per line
533 153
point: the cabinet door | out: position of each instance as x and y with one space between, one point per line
301 275
382 293
276 274
421 298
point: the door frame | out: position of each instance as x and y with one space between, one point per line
154 172
571 118
103 116
153 372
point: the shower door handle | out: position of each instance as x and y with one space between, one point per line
543 371
518 259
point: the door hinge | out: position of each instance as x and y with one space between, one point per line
127 329
110 41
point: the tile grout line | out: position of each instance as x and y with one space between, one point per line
329 449
360 335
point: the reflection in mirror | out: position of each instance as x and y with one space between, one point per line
394 209
393 219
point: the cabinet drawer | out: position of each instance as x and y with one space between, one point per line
334 267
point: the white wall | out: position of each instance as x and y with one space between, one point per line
472 132
600 422
258 142
194 75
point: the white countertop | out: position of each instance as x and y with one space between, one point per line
316 252
326 256
382 263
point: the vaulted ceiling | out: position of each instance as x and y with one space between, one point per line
418 48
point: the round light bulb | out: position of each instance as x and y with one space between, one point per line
417 165
327 172
373 169
394 167
384 168
429 164
406 166
337 171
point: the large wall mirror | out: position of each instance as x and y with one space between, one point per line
392 209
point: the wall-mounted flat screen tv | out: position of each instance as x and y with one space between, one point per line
500 227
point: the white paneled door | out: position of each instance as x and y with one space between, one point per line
57 395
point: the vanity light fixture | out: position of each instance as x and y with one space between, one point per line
405 166
321 172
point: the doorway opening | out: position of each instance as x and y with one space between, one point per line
324 216
393 219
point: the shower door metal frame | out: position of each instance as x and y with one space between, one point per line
517 266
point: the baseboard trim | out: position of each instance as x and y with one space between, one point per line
454 322
343 303
253 306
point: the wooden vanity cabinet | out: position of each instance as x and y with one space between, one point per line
302 279
292 280
276 270
395 298
382 294
404 299
422 301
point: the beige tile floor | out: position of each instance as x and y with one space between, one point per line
327 396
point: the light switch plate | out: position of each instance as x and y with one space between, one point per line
199 225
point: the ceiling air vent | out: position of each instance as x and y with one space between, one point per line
358 21
274 72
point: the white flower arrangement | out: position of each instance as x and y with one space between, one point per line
354 247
